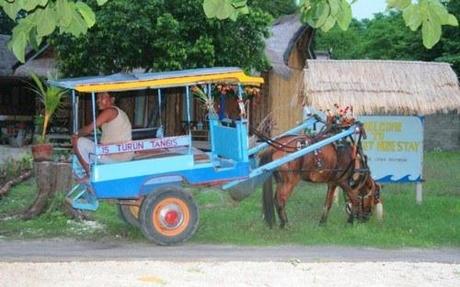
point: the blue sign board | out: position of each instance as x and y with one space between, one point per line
394 147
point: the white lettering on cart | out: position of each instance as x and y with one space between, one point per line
131 146
142 145
105 149
164 143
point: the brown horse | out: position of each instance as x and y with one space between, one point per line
337 164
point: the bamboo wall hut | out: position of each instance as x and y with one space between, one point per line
287 49
376 87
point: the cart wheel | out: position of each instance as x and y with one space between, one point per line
168 216
130 214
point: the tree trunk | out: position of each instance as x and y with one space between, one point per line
51 178
63 176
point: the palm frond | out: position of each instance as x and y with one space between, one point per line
51 99
38 84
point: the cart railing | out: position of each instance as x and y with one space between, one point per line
229 139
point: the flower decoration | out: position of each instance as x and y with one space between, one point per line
342 116
208 102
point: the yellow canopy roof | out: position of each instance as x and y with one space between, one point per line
124 81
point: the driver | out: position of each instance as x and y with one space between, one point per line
115 126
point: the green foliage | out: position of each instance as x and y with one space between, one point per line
450 42
224 9
36 19
42 17
11 168
50 97
384 37
398 4
276 8
343 44
6 24
163 35
430 14
325 14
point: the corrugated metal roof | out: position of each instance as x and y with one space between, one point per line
132 81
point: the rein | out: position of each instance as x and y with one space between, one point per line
357 150
276 144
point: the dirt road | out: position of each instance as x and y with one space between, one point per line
75 263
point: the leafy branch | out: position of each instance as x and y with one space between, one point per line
431 15
75 17
42 18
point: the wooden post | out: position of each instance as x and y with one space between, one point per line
418 193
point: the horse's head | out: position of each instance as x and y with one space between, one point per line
369 198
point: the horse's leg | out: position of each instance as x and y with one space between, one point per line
331 187
283 191
280 203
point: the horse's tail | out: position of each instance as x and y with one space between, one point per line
267 194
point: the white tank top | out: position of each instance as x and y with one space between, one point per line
116 131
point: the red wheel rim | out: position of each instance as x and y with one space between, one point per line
171 216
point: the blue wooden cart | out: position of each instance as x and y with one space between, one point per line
148 189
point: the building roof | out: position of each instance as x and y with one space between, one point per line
7 58
42 67
382 87
285 32
133 81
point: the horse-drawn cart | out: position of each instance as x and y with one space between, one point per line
148 188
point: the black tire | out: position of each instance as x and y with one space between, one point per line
168 216
129 214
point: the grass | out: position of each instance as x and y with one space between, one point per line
222 221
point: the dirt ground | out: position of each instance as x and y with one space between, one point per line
117 263
161 273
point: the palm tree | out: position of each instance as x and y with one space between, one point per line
51 98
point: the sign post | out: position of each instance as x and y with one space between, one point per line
394 147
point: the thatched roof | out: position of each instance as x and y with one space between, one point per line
380 87
7 59
42 67
284 34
